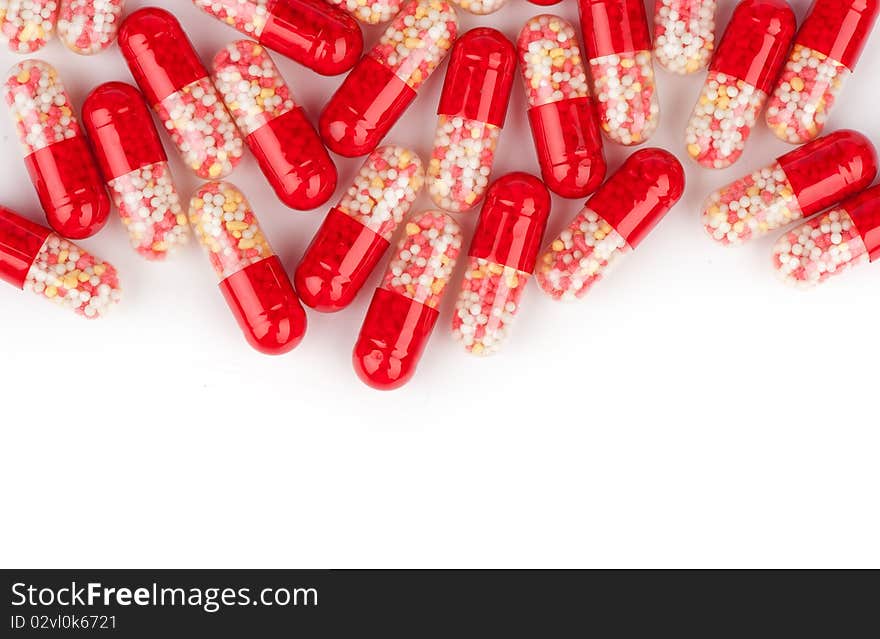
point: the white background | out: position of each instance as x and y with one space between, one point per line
691 411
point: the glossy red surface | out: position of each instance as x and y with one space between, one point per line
336 264
392 340
314 33
123 134
839 28
640 193
512 222
864 209
20 242
829 169
479 77
756 42
569 146
614 26
266 307
159 54
368 103
70 187
294 160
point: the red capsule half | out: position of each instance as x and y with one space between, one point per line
168 70
317 35
56 153
473 107
561 112
277 131
403 312
252 279
35 259
743 70
612 223
357 231
136 169
501 260
385 82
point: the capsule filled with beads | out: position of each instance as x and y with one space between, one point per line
825 53
831 243
135 167
480 7
369 11
376 93
56 153
357 232
742 72
35 259
618 44
276 129
562 115
797 185
501 261
404 309
27 25
473 107
684 34
612 223
252 279
89 26
312 32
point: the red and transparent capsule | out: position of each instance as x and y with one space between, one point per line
831 243
826 50
370 11
28 24
797 185
357 231
252 279
174 80
612 223
743 70
276 129
473 107
501 260
561 113
56 153
684 34
386 80
618 44
136 169
311 32
35 259
480 7
89 26
403 312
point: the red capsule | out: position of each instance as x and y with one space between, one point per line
386 81
35 259
612 223
286 145
56 153
136 169
357 231
319 36
501 260
252 279
177 86
825 52
743 70
561 113
798 184
403 312
473 107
